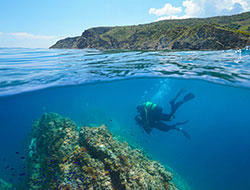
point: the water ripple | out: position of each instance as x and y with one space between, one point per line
29 69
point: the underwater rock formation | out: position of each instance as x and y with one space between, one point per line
64 156
4 185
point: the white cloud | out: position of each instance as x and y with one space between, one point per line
168 9
24 35
232 6
193 8
201 8
217 8
229 4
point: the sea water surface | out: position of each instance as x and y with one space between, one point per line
94 87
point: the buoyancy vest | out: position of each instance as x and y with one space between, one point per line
149 107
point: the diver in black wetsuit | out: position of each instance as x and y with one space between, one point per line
151 116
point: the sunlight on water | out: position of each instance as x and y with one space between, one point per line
29 69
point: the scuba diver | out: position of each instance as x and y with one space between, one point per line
150 115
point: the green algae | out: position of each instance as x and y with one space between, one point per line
4 185
64 156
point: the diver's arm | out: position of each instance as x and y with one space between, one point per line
158 115
165 127
166 117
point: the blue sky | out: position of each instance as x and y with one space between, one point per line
40 23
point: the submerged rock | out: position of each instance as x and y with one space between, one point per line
64 156
4 185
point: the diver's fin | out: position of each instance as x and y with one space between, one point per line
182 123
188 97
172 102
186 134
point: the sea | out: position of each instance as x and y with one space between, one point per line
94 87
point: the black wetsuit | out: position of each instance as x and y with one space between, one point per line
151 116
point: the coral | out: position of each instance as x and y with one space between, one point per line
64 156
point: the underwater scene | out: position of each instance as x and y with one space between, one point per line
90 119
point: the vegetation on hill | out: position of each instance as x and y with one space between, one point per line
215 33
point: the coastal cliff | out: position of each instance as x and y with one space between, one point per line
215 33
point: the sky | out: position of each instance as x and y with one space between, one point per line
40 23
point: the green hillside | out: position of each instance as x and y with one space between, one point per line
215 33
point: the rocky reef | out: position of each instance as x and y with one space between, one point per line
215 33
4 185
65 156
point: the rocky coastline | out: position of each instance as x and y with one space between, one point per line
215 33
